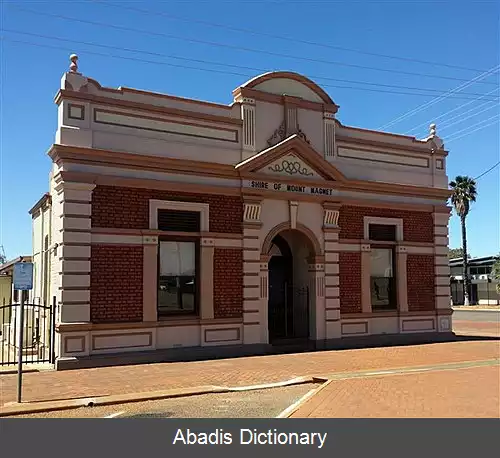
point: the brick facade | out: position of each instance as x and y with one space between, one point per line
228 283
420 277
417 226
350 282
116 284
128 208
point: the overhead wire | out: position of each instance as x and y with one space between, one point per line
288 39
208 62
235 47
246 75
435 118
438 99
453 136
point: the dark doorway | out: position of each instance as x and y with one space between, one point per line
286 304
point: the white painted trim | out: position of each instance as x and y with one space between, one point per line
398 222
155 205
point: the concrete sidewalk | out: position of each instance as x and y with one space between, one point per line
106 381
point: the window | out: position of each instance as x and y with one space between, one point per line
382 232
178 221
382 281
178 280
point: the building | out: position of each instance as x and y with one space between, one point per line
181 225
483 285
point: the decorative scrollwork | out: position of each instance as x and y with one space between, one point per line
290 167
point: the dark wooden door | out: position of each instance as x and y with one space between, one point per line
279 305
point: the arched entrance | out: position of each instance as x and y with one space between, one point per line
290 297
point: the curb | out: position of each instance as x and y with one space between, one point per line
288 412
67 404
14 371
465 309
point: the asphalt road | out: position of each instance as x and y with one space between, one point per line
477 315
268 403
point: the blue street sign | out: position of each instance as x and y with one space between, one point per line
23 276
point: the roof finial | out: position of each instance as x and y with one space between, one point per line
73 68
432 128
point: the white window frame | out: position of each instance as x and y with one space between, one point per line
398 222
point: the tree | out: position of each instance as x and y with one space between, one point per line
454 253
463 194
495 273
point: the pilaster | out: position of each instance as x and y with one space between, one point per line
331 279
254 276
71 236
317 312
150 276
442 272
401 277
366 299
207 279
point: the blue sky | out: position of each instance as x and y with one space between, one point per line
455 33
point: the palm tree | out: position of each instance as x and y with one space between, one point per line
464 193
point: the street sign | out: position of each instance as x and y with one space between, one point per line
23 276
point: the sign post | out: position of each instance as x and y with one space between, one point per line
23 281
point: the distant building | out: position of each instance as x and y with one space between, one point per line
483 285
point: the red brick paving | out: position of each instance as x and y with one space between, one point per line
53 385
461 393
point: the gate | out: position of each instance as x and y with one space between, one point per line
288 312
39 333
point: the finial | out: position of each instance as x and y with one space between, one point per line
73 68
432 128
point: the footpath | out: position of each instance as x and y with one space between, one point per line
52 386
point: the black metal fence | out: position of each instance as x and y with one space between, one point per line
39 332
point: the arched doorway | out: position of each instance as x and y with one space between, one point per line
289 300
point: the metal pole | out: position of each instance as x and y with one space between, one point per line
20 350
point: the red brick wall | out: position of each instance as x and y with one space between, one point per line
228 283
417 226
128 208
116 283
350 282
420 278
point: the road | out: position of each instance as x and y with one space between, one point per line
477 315
268 403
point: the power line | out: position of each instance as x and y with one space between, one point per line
467 117
279 37
453 136
434 119
140 51
223 72
487 171
238 48
441 97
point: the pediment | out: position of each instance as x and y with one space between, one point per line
292 165
291 158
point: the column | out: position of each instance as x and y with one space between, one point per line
401 278
331 277
442 271
150 278
366 299
255 283
248 130
317 313
329 134
72 236
207 279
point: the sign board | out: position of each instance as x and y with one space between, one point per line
283 187
23 276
